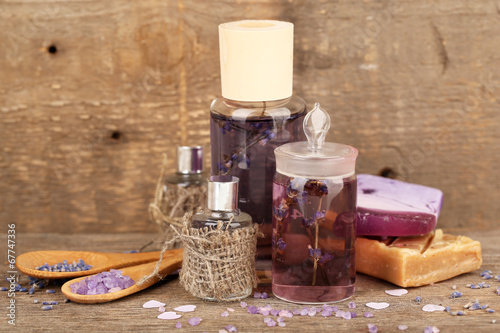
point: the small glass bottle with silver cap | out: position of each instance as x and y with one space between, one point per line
185 190
222 206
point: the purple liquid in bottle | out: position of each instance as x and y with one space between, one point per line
243 137
314 232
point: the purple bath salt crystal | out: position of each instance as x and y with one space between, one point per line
102 283
296 312
368 315
252 309
257 295
352 305
372 328
275 312
194 321
231 328
388 207
271 323
286 313
346 315
178 325
326 313
243 304
264 311
304 312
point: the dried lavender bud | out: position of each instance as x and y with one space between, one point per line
65 267
50 291
47 307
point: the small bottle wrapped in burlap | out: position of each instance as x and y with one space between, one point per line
219 247
179 193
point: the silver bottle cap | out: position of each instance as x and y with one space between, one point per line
223 193
189 159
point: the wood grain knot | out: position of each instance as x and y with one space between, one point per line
52 49
116 135
388 173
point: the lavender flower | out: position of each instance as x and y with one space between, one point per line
315 254
319 216
316 187
307 223
281 245
281 211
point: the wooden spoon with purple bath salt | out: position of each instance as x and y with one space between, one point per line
172 261
100 262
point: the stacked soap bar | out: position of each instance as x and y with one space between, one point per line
388 207
418 260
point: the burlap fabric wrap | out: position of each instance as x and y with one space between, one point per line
218 262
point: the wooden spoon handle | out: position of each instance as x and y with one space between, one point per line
130 259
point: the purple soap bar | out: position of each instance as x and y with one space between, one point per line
388 207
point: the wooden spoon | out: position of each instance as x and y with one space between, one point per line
172 261
100 261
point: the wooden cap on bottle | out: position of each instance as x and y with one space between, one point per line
256 59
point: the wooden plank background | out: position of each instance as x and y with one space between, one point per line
92 93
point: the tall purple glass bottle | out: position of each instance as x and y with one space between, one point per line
256 113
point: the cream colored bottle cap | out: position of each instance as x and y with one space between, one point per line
256 60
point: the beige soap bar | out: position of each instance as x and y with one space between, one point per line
418 260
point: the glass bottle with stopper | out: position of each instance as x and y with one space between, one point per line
314 217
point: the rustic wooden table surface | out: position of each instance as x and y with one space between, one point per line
128 315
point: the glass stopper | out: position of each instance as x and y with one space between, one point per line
316 125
